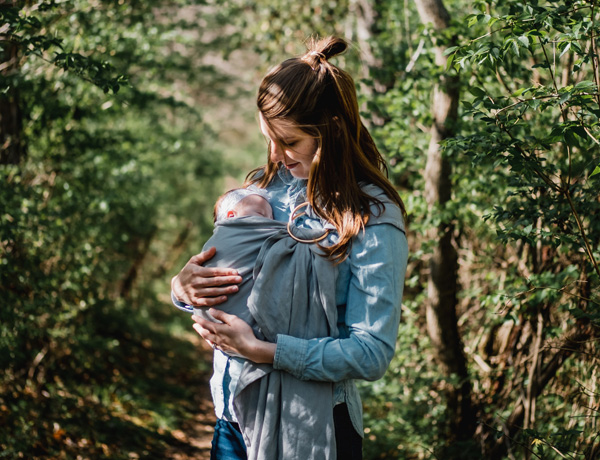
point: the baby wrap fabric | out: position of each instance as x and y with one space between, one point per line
282 417
238 242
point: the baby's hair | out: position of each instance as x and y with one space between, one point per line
219 204
231 198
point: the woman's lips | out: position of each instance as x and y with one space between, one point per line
291 166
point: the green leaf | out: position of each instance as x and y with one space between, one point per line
519 92
585 84
535 103
595 171
452 49
567 48
524 41
570 138
476 91
515 47
449 61
564 97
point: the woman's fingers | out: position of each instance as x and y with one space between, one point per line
199 259
210 333
225 318
205 334
210 329
204 286
196 264
209 297
208 301
207 277
230 336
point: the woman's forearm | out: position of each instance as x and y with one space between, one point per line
260 352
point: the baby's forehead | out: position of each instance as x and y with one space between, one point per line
253 198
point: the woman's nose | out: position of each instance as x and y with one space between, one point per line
276 152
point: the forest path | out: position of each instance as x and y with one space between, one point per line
196 426
126 384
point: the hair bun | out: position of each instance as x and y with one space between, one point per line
324 49
329 47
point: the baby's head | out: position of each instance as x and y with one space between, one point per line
242 202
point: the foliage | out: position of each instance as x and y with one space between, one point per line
119 167
533 74
525 207
116 179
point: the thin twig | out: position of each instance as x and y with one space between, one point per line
588 248
540 288
415 56
562 109
540 174
590 134
594 50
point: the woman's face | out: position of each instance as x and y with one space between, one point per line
291 146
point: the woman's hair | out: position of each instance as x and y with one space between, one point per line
320 99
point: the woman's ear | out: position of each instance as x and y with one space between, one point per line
231 214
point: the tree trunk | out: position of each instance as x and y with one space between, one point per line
367 29
12 147
443 265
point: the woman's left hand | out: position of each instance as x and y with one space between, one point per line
235 336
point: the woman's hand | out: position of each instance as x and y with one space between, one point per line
234 336
204 286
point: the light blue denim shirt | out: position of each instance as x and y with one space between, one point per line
368 294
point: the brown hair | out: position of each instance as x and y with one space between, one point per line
320 99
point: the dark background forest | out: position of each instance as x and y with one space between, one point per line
122 121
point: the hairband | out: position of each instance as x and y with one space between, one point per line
319 54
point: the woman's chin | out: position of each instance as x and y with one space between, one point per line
298 172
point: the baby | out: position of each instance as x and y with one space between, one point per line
243 221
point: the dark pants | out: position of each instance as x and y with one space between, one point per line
228 443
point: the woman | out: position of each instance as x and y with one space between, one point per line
321 153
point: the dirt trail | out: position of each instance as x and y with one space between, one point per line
196 432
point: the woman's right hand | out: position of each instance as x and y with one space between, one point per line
204 286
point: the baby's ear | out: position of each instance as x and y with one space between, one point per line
230 214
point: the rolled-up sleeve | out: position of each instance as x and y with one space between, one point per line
182 306
377 261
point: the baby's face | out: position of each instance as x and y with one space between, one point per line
253 205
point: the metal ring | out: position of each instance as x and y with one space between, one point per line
293 217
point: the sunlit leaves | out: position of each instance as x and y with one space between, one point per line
113 174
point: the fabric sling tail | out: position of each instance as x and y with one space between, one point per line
280 415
